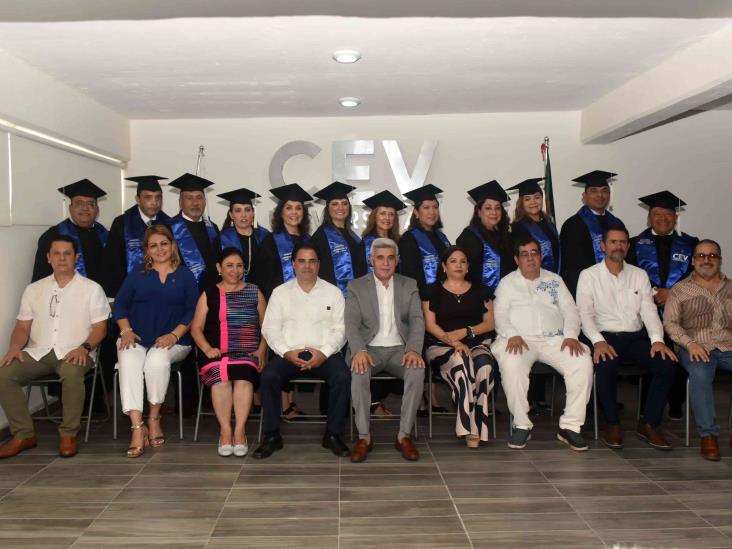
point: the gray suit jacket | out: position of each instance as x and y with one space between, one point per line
362 313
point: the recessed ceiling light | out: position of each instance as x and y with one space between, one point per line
346 56
349 101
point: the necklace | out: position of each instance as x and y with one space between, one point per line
458 296
248 266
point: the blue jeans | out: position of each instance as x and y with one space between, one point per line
701 379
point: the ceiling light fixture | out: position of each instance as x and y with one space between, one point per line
346 56
349 102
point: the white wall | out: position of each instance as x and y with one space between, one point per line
689 157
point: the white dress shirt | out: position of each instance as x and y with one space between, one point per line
145 219
388 335
62 317
296 319
623 303
542 308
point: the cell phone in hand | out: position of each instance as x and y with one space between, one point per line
305 355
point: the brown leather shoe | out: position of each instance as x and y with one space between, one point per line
16 445
407 448
613 437
68 447
361 450
652 437
710 448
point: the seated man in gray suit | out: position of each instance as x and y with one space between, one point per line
385 332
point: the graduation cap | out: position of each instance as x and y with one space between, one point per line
528 186
239 196
190 183
425 192
293 191
596 178
663 199
490 190
384 199
146 182
334 191
83 187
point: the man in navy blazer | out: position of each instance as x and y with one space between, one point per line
385 332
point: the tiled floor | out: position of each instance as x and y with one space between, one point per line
184 495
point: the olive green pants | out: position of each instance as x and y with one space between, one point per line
16 375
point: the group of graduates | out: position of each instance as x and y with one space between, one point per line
487 242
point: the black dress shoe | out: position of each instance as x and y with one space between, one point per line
335 445
270 444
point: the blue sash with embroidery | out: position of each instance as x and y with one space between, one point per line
491 274
285 244
67 228
547 253
187 245
134 232
429 255
682 248
593 225
341 255
367 241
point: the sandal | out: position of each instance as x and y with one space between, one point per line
137 451
156 442
472 441
292 414
379 410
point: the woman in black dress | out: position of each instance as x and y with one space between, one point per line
459 318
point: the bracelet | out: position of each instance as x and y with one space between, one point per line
123 332
177 339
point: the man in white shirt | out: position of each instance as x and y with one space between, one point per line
385 332
620 318
304 327
537 320
62 318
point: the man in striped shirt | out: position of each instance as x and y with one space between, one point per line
698 317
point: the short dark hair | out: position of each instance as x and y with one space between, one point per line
304 246
709 241
227 252
615 227
524 240
444 256
63 238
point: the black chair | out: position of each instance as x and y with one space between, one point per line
625 369
312 418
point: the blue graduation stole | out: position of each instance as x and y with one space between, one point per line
187 245
429 255
367 241
285 245
547 253
230 238
491 274
593 225
682 248
341 255
134 231
67 228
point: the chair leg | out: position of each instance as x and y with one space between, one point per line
104 393
44 396
493 406
554 392
640 398
429 405
686 418
114 404
594 406
729 414
350 420
198 412
91 404
180 405
261 423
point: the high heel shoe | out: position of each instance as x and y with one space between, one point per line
472 441
156 442
137 451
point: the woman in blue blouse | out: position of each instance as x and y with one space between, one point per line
153 309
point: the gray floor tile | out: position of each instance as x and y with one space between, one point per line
256 468
42 528
723 473
643 519
398 526
701 502
508 506
522 477
394 494
478 491
239 527
299 510
48 479
612 504
39 510
163 495
51 495
94 541
386 481
526 522
696 486
36 543
668 537
625 475
557 538
203 481
578 489
195 529
270 542
282 494
719 517
299 481
130 510
433 541
375 509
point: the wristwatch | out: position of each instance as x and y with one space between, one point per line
86 346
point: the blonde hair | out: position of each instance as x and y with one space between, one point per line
160 229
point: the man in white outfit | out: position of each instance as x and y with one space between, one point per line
537 320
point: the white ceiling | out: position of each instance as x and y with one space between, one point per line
209 67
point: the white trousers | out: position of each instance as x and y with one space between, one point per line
140 369
515 369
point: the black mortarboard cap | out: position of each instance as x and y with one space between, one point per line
663 199
147 182
490 190
334 190
596 178
425 192
293 191
83 187
189 182
239 196
384 199
528 186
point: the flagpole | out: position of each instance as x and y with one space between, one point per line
548 188
201 170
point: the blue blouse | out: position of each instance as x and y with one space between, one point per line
154 308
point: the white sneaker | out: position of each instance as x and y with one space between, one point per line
241 450
225 450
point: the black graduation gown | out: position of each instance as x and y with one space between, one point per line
473 248
250 263
209 252
410 260
115 258
327 271
663 251
269 269
519 230
91 249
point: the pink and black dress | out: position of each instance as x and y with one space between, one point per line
232 325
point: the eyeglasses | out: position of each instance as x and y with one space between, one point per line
531 253
704 256
53 305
